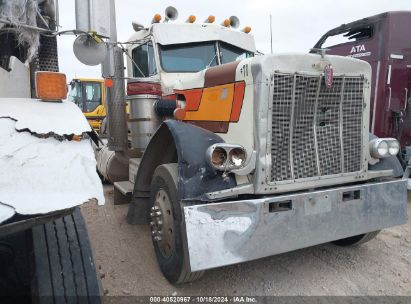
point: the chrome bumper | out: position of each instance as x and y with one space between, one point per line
227 233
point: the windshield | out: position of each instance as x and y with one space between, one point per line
86 95
190 57
75 94
194 57
347 36
230 53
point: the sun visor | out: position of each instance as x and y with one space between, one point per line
168 33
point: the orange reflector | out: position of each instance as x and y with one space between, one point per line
156 18
191 19
108 82
51 86
211 19
179 114
247 29
226 23
76 138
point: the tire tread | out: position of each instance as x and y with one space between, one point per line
63 263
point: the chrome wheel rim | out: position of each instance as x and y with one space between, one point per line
162 223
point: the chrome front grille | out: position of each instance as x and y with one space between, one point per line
316 131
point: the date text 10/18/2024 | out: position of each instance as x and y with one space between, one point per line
203 299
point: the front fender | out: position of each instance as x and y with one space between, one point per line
196 177
185 144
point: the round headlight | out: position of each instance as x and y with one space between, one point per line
218 157
393 147
237 157
379 147
382 148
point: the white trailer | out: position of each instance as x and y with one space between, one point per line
47 164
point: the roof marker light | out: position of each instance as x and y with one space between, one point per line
191 19
156 18
210 19
226 23
247 29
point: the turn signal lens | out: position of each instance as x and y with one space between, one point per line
218 157
51 86
179 114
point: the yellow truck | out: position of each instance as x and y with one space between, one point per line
89 95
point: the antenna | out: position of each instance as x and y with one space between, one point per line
271 33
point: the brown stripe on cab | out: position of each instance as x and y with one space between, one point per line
220 74
213 126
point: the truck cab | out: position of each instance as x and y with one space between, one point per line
166 57
173 52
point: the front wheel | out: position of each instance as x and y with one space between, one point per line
357 239
167 226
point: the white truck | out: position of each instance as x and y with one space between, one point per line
235 157
47 165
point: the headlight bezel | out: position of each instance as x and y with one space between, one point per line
375 147
228 165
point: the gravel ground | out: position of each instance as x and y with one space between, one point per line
125 258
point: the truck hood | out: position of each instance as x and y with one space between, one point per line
42 170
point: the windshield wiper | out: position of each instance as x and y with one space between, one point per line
214 57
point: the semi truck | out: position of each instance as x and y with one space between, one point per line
384 42
236 157
47 166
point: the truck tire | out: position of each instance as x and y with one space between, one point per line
63 267
167 226
357 239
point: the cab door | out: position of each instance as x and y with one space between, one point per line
396 96
406 127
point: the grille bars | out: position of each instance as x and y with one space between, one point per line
292 120
340 118
315 131
317 96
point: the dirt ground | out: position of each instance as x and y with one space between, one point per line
126 261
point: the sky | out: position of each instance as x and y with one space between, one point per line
297 24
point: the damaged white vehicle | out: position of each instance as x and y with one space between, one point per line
47 163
